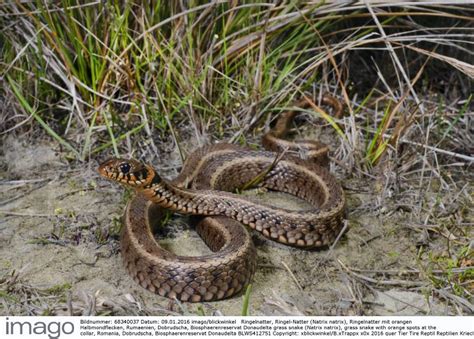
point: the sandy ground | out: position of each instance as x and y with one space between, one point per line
59 250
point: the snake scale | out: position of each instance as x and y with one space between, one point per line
204 187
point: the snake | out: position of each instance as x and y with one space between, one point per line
206 189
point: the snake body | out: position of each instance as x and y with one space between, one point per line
203 188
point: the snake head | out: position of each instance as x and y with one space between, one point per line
127 172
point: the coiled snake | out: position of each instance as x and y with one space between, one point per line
203 188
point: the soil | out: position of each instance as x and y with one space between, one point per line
59 249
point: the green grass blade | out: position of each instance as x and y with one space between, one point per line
462 111
24 103
114 140
246 301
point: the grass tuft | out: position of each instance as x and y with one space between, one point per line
100 75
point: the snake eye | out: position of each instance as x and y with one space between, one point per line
124 168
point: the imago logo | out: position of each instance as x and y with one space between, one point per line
53 329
